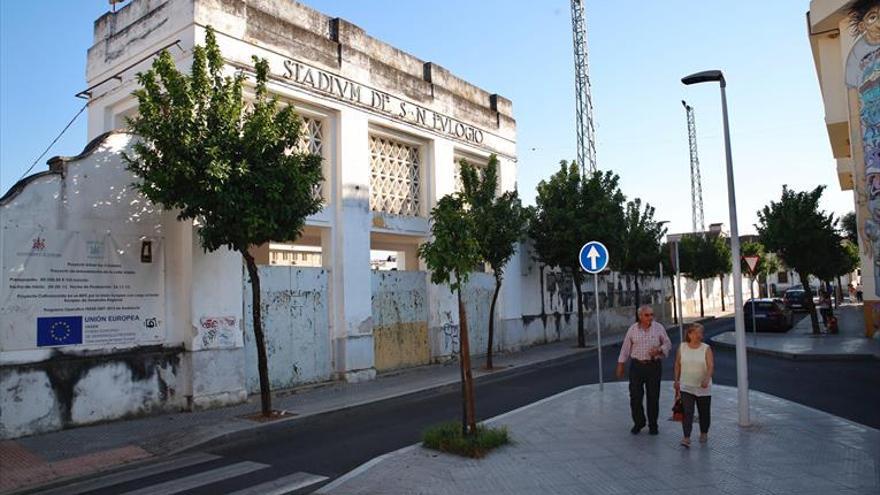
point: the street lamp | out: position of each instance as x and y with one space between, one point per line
742 373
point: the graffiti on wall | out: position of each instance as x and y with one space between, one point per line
217 332
863 75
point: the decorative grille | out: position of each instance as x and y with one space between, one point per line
311 140
395 183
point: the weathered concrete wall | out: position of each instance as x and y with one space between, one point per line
66 384
400 319
296 325
65 391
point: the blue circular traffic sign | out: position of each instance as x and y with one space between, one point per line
593 257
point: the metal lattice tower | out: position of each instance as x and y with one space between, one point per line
699 224
586 131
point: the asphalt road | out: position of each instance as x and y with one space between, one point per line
332 444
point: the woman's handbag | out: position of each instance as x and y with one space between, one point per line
678 409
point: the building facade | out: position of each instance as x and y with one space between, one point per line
846 51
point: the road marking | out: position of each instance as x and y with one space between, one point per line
286 484
131 475
200 479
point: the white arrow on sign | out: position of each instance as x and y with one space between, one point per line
593 254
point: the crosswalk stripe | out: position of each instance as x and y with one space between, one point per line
285 484
131 475
200 479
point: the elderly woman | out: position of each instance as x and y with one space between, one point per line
694 365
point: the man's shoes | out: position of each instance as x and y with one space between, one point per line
653 430
636 429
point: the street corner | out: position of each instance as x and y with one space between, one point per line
579 440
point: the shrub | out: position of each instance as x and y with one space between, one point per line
447 437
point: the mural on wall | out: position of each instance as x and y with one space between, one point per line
863 74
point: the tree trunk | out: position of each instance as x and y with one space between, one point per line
839 295
721 278
492 324
259 338
674 304
811 307
638 298
702 314
582 340
468 420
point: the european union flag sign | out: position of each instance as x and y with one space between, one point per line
62 330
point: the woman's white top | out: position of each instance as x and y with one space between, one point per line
694 369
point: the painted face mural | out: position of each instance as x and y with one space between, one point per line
863 74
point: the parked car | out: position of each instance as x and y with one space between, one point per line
770 316
795 299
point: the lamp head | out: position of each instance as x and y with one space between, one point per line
705 76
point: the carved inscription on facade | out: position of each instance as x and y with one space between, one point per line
352 92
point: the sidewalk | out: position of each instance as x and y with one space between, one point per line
579 442
800 343
40 459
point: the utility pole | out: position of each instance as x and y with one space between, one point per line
699 224
586 129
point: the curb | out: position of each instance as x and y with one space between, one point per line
372 462
800 357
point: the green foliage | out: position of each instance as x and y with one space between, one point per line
640 240
767 262
208 154
849 227
455 249
572 210
704 256
802 235
447 437
797 231
501 221
842 260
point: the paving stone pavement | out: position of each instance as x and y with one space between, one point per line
578 442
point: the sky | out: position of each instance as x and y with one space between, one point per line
522 49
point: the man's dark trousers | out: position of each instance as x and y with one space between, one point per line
645 377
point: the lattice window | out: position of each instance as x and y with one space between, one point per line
395 184
311 140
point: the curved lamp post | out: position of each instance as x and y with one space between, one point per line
742 372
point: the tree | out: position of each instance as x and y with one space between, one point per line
500 220
801 234
230 166
849 228
723 264
570 211
451 255
640 243
702 257
843 259
667 255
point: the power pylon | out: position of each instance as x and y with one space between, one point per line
586 131
699 224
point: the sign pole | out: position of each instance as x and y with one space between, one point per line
678 293
593 259
598 328
754 327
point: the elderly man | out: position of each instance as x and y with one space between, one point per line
645 344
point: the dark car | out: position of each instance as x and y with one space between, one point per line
770 316
795 299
